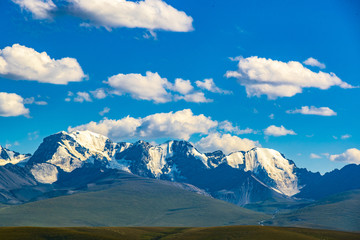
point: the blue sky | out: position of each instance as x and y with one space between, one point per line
110 54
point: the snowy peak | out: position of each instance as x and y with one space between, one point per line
92 141
172 160
8 156
62 147
160 161
268 165
69 151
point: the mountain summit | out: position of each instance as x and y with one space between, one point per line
68 159
176 161
8 156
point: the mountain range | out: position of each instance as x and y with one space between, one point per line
82 162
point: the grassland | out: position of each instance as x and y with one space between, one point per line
157 233
340 212
133 202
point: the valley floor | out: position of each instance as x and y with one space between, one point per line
152 233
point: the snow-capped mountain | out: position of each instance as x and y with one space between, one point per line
69 151
180 161
77 159
268 165
8 156
177 161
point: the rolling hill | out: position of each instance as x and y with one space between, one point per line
130 201
340 211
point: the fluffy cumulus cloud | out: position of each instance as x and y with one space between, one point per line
22 63
86 96
181 125
261 76
148 14
182 86
230 128
208 84
351 155
148 87
314 63
197 97
12 105
117 130
82 97
278 131
78 97
321 111
99 93
152 87
225 142
41 9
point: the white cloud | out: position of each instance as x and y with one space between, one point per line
228 127
261 76
225 142
40 102
117 130
182 86
150 34
346 136
148 87
12 105
197 97
315 156
99 93
86 96
314 62
278 131
31 100
82 97
272 116
22 63
351 155
104 111
321 111
9 145
208 84
149 14
180 124
41 9
152 87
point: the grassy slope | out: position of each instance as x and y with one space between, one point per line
277 205
340 211
233 232
133 202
